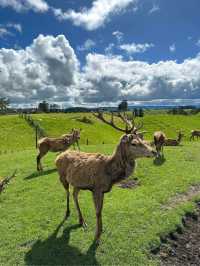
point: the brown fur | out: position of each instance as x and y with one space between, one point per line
56 145
174 142
159 141
194 133
97 172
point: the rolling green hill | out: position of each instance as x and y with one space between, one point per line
98 132
17 134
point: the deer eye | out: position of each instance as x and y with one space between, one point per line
133 144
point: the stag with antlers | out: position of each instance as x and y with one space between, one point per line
56 145
97 172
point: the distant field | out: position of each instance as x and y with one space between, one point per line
17 134
98 132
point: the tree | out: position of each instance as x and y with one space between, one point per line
135 112
123 106
141 112
4 102
43 107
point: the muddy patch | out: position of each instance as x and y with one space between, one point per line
133 183
192 192
182 248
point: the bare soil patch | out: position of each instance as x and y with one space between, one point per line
183 247
133 183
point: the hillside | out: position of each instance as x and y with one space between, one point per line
98 132
15 133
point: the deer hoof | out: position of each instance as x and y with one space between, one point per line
83 224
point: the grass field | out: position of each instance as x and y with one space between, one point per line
98 132
33 205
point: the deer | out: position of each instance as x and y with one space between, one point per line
159 141
194 133
174 142
56 145
97 172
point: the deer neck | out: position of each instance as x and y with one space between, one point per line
120 165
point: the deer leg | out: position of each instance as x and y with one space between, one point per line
39 165
66 186
98 202
39 157
75 196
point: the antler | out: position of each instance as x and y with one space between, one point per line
130 127
129 123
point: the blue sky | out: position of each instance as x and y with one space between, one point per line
141 50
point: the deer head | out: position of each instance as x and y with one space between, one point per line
133 147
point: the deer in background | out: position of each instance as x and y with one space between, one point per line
56 145
194 133
97 172
159 141
174 142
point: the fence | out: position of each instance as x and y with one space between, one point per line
39 131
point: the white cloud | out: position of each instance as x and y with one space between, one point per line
172 48
4 32
88 44
23 5
47 69
109 48
119 35
154 9
134 48
108 79
198 43
16 26
97 15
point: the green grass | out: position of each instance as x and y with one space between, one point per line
98 132
15 133
33 205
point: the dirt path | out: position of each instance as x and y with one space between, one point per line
192 192
183 247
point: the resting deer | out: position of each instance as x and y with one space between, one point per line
97 172
194 133
174 142
56 145
159 141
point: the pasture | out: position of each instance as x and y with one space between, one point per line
33 205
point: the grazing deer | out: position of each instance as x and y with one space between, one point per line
56 145
97 172
194 133
159 141
174 142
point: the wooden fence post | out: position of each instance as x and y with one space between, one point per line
36 136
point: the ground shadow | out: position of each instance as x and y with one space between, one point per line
57 251
159 160
41 173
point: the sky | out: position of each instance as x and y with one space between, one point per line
100 52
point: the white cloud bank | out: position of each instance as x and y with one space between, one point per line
24 5
97 15
110 79
45 70
49 69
